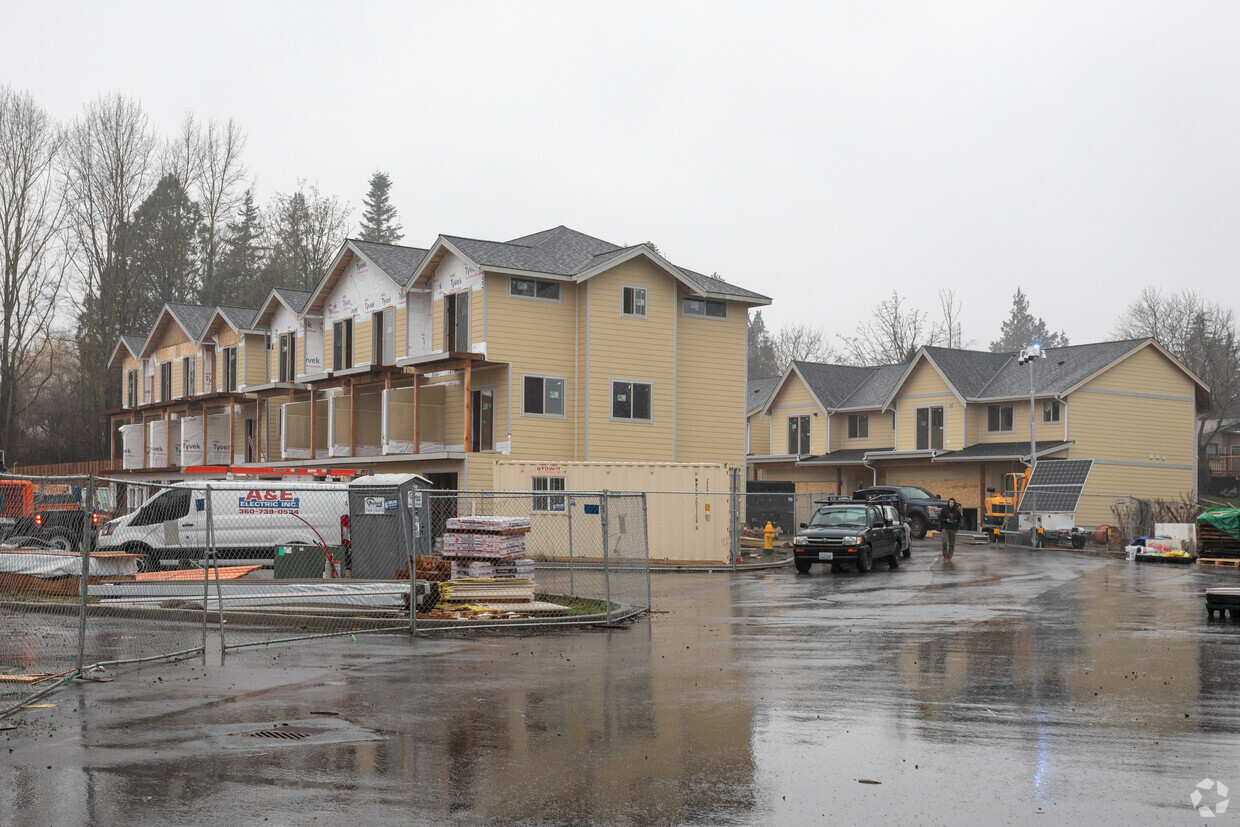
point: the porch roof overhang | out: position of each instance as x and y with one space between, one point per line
999 451
174 404
852 456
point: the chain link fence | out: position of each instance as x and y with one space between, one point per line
99 572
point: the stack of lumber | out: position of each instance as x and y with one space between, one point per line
462 569
431 569
1215 544
515 568
485 537
499 524
486 590
502 569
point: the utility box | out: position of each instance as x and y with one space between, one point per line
389 517
298 562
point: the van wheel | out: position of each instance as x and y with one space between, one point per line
148 560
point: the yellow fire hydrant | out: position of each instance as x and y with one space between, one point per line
768 541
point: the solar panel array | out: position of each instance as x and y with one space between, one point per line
1056 485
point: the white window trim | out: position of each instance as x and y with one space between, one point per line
1056 407
865 438
559 287
1000 429
611 398
643 288
726 310
548 493
809 429
544 377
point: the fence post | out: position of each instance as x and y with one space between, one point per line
606 560
411 559
646 546
88 537
569 502
213 560
734 530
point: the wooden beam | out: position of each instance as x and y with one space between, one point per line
352 420
143 440
469 420
167 437
112 439
313 429
258 429
232 423
417 414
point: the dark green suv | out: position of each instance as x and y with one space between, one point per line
847 533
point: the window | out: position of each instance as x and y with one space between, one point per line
482 420
1050 410
630 400
383 337
188 365
542 396
230 368
342 344
929 428
165 381
798 435
288 356
548 502
634 302
706 307
456 322
131 400
858 426
999 418
520 288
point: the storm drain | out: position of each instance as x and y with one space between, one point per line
285 733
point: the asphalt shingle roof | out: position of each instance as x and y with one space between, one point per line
968 370
193 317
241 318
397 261
874 391
1000 450
1059 370
758 391
832 384
134 343
295 299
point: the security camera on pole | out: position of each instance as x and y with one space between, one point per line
1027 357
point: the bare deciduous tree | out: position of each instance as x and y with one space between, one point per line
304 230
32 254
801 343
893 336
109 165
220 175
950 330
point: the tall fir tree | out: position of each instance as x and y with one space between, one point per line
166 254
379 216
1022 328
241 265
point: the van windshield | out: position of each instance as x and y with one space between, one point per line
833 517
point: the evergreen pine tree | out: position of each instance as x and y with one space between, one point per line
379 216
166 251
240 266
1022 328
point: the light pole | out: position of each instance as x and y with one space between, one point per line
1027 356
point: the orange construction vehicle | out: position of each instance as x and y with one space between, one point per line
1000 508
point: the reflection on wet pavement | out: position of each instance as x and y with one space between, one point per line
1006 686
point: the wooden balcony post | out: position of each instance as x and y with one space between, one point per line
167 437
232 423
112 439
258 429
352 420
417 414
469 420
313 429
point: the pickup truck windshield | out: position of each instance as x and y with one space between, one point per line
912 492
833 517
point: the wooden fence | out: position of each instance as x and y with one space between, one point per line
98 467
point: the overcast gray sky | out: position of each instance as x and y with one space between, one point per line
820 153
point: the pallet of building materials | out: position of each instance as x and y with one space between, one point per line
433 569
1223 602
462 569
1220 562
492 546
489 525
485 590
1214 543
519 567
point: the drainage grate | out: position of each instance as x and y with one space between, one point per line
285 733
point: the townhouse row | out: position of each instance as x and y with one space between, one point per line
955 422
551 348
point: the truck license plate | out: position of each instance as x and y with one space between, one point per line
826 555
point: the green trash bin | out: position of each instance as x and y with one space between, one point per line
299 562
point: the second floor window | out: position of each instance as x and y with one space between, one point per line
165 381
131 399
542 396
858 426
342 344
188 370
288 357
631 400
930 428
999 418
706 307
1050 410
229 364
798 435
634 302
521 288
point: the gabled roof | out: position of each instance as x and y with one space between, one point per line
240 319
569 254
192 320
987 451
828 384
129 342
294 300
874 390
968 370
758 391
394 261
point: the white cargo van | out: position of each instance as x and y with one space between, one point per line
251 518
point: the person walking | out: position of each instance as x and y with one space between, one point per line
950 519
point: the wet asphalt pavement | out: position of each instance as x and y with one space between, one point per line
1012 687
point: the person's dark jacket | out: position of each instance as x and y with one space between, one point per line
950 517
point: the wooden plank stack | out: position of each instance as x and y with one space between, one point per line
493 538
1215 545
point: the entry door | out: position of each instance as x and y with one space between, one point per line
251 431
482 420
456 323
